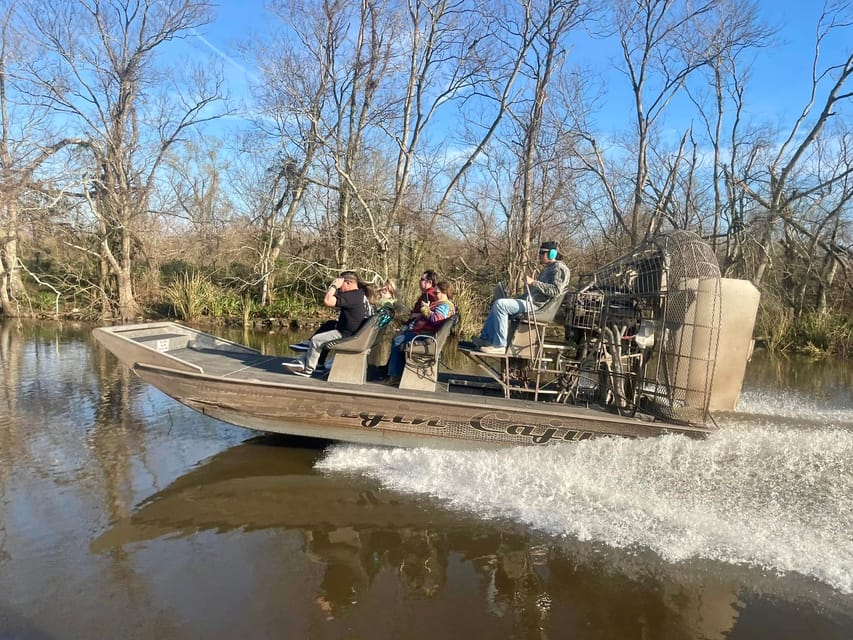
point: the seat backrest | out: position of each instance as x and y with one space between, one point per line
446 329
432 344
365 337
548 312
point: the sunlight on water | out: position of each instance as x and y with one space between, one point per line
777 498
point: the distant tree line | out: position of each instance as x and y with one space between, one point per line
391 136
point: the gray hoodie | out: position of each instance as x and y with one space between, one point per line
552 282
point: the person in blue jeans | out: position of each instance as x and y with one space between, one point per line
552 281
430 317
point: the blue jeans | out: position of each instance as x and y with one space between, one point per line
497 323
315 348
397 360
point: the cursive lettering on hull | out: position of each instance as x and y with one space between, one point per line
500 425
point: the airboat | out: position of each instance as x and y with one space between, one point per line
653 343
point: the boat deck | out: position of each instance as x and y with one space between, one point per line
246 387
216 357
238 365
233 364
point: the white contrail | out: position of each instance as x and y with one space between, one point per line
252 75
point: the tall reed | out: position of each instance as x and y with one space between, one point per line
821 335
247 307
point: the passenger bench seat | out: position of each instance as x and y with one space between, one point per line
423 355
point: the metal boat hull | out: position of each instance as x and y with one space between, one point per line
245 388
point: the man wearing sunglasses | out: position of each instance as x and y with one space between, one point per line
427 285
552 281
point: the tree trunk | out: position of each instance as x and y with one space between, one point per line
825 285
9 310
11 284
343 228
128 307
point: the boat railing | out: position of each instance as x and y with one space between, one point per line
642 336
423 354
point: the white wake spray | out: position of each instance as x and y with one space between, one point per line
797 405
773 497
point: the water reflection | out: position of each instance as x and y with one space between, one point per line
8 407
362 537
830 380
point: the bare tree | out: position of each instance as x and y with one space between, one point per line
531 156
99 75
731 30
438 74
10 279
202 208
539 162
25 145
660 53
785 188
661 48
362 87
816 233
364 67
296 68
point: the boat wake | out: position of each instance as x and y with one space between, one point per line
769 496
798 406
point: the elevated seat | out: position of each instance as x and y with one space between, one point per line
423 354
529 332
350 353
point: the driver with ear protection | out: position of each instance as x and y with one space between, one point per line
552 281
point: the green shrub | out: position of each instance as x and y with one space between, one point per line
247 308
44 302
190 293
224 302
174 269
820 335
288 306
472 307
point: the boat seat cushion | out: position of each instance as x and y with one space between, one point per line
527 331
363 339
431 345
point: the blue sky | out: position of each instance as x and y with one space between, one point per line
780 77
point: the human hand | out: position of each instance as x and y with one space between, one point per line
425 310
337 283
529 280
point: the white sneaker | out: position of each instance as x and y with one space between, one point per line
305 373
493 350
295 365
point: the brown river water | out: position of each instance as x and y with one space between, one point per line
126 515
